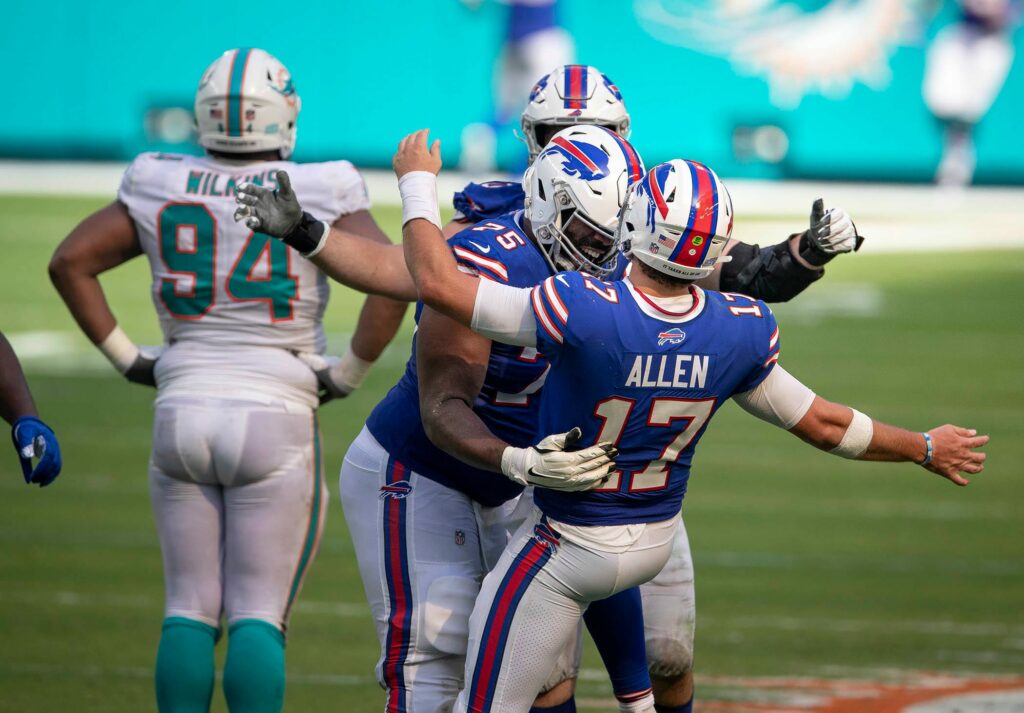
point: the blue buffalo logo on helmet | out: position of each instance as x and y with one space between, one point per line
538 87
579 159
653 187
398 490
671 336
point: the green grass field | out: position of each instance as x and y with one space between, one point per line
807 565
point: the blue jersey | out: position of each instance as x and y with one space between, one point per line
498 250
627 371
491 199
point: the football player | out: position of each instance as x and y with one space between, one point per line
578 95
236 473
32 438
626 372
408 501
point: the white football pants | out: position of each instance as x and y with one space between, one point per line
239 497
670 611
423 550
531 604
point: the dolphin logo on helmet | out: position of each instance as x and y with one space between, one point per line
579 159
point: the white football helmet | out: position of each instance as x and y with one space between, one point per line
574 191
678 219
246 102
572 94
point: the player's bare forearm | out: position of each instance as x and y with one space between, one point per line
99 243
379 321
15 397
366 265
439 281
452 363
825 425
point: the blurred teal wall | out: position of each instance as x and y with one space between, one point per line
369 72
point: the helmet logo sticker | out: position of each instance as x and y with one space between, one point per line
582 160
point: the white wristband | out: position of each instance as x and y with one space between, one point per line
857 437
350 371
119 349
419 197
323 241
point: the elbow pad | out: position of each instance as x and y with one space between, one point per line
771 274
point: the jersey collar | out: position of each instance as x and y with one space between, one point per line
669 309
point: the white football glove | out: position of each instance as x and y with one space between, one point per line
551 463
831 232
337 378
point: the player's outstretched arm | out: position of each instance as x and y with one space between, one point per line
946 450
32 438
99 243
778 273
352 259
783 401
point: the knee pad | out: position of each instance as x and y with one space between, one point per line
669 657
254 669
445 614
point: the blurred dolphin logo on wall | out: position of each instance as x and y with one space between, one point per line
799 47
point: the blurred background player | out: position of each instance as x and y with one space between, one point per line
32 438
535 41
608 345
235 472
966 68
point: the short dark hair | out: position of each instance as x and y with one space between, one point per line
662 277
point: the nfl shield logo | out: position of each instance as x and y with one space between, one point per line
460 538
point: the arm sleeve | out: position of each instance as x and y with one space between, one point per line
771 274
505 314
350 194
780 399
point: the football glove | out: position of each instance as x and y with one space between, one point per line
141 371
554 464
276 212
831 232
34 439
336 378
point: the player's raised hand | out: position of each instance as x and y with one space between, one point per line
34 439
831 232
413 154
554 463
953 452
274 211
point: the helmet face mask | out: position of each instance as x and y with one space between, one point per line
678 220
246 103
572 95
574 191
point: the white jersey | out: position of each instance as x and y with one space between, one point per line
232 303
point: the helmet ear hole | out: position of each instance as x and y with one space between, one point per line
540 191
